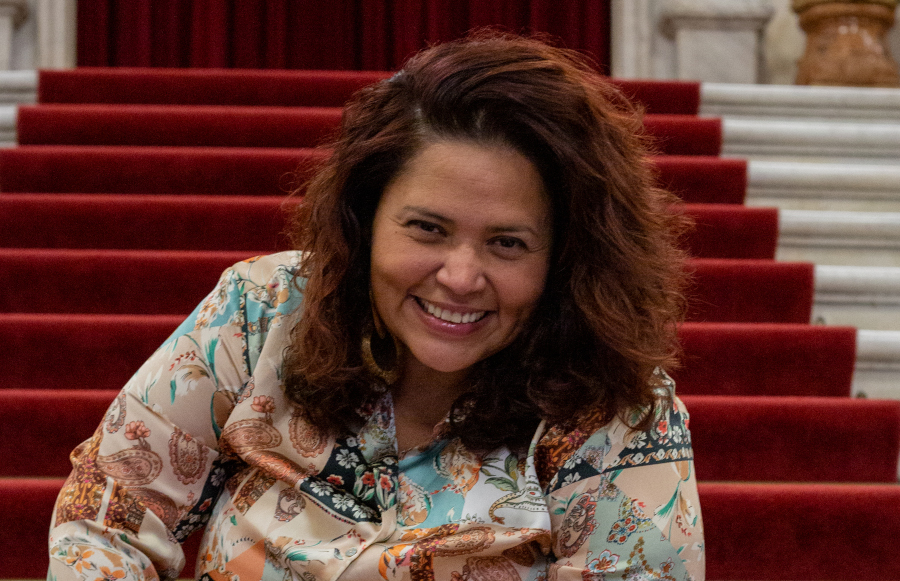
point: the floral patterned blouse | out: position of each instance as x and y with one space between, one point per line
203 436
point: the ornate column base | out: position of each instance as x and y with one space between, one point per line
845 43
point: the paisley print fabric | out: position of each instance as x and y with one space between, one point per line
202 440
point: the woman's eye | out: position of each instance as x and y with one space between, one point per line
510 246
423 226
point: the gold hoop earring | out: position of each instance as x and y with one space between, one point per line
389 376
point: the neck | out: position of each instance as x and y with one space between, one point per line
423 397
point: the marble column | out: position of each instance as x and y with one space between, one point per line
845 43
12 14
56 30
717 40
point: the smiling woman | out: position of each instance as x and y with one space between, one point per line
459 374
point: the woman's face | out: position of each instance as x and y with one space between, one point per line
460 252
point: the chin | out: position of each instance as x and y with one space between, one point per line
445 362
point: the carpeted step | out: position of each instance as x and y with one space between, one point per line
734 438
731 231
256 224
173 282
266 171
176 125
152 170
750 291
696 179
49 424
259 224
766 532
285 88
222 126
71 351
784 438
765 359
66 351
26 509
801 532
109 281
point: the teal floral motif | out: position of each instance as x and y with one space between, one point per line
632 519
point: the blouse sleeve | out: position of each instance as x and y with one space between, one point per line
623 503
152 471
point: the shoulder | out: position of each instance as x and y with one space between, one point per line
597 445
625 501
257 286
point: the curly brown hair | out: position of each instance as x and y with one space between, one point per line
608 314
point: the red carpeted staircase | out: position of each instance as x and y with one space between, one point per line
133 189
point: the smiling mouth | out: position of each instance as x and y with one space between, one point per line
448 315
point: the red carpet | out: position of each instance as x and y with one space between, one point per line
134 281
264 171
772 438
751 438
801 532
218 126
732 231
139 186
734 359
778 532
256 224
280 88
52 351
766 359
750 291
253 224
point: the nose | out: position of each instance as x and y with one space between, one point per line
462 271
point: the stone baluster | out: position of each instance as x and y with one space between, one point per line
845 43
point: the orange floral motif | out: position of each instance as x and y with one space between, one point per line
557 446
264 404
77 559
108 575
136 431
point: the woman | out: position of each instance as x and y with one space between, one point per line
459 378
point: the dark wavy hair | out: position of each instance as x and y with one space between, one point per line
608 314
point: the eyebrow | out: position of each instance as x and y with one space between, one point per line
513 228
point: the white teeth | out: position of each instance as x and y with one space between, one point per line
450 316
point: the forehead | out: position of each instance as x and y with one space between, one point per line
473 179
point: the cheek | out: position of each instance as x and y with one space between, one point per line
522 288
400 268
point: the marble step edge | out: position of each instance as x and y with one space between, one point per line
791 102
839 181
18 86
876 372
878 349
8 117
842 229
863 286
813 139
